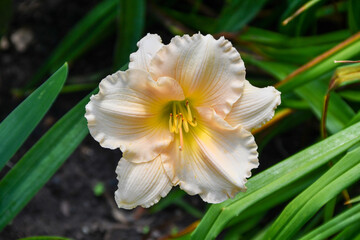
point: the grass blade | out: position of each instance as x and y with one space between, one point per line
349 232
299 211
303 8
24 180
15 129
336 224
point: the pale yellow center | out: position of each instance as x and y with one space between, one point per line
181 118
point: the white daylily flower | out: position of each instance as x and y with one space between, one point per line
181 115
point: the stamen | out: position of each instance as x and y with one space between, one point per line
175 118
193 123
180 120
188 111
181 147
176 124
180 116
186 126
171 126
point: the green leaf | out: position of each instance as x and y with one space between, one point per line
200 23
256 35
37 166
94 27
16 128
237 13
350 95
349 232
131 19
278 197
354 200
353 15
235 232
304 206
322 67
339 112
355 119
336 224
274 179
300 24
294 55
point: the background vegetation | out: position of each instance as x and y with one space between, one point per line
291 44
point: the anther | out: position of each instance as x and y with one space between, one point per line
193 123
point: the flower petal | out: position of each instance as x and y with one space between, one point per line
255 107
148 47
211 72
141 183
215 161
126 113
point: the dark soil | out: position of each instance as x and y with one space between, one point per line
67 206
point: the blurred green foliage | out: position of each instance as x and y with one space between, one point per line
298 57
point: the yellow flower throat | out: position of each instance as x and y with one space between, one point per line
180 119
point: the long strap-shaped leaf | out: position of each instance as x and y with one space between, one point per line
339 112
321 64
274 179
304 206
41 161
336 224
15 129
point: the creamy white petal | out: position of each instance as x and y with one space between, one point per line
148 47
211 72
215 161
255 107
127 113
141 184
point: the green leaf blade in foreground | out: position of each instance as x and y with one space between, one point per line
274 179
338 223
15 129
37 166
304 206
